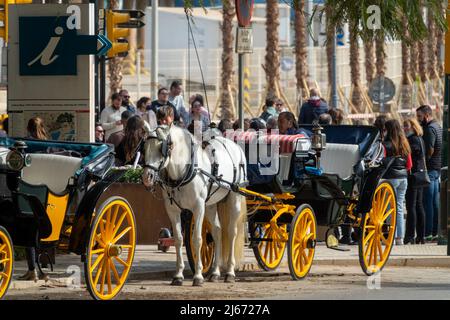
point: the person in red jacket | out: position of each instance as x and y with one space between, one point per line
396 146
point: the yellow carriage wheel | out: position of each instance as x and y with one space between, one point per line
302 242
378 229
270 249
111 248
6 261
207 248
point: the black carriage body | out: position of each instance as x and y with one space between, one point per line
330 193
25 206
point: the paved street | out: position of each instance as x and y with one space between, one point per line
334 275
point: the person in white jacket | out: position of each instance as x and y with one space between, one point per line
110 118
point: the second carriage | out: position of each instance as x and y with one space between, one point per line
333 179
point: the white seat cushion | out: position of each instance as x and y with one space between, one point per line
339 159
3 153
52 170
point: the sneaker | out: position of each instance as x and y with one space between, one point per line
435 238
29 276
399 242
408 241
429 238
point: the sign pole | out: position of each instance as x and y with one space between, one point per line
241 91
244 12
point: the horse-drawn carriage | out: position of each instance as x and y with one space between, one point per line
297 184
49 194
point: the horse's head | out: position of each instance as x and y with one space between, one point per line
157 150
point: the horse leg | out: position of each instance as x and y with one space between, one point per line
199 213
213 218
234 205
175 218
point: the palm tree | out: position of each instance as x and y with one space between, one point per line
432 47
115 64
369 49
272 60
330 33
406 71
301 53
380 53
355 71
227 59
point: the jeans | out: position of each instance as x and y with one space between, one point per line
431 204
415 219
400 186
31 258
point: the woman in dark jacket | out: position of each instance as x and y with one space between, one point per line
415 219
126 151
396 146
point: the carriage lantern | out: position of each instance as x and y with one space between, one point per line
16 158
318 139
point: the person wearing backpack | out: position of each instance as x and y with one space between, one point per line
312 109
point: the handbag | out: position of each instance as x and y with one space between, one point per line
420 178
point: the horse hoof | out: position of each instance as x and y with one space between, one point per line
214 278
229 278
177 282
197 282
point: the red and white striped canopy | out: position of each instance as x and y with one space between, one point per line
287 142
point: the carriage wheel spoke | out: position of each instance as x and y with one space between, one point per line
387 215
97 276
115 273
368 237
3 275
97 262
108 276
113 220
125 231
2 247
102 283
125 264
386 204
380 249
97 251
119 224
4 260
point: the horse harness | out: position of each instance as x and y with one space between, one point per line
192 170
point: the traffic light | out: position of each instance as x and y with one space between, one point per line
4 10
117 34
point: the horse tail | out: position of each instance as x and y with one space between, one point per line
225 209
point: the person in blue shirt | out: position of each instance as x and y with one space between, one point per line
313 108
269 110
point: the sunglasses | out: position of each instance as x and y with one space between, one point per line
279 104
101 131
127 97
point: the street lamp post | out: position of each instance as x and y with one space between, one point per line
155 48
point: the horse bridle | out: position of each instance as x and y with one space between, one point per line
166 149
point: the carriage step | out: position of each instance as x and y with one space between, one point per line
337 248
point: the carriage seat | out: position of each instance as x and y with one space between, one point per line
51 170
3 153
339 159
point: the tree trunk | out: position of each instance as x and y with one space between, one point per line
414 60
371 68
272 62
301 53
380 54
406 71
226 105
440 62
355 72
423 57
330 38
432 47
115 64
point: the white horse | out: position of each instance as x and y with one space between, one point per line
185 169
